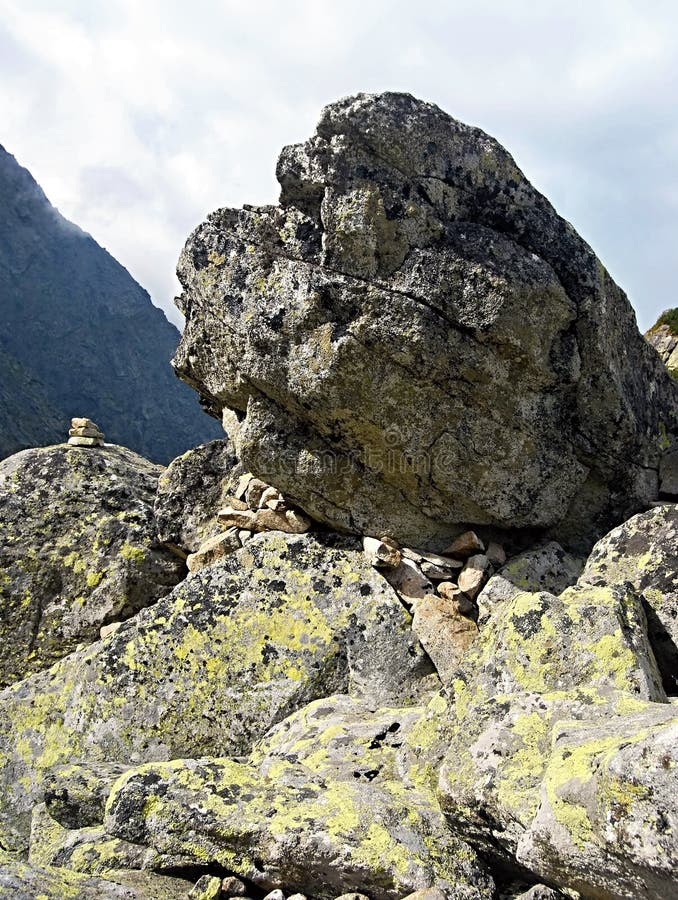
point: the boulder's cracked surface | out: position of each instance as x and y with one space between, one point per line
78 549
367 329
643 552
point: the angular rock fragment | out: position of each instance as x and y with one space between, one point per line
214 549
474 575
408 581
444 631
466 545
75 794
84 433
543 660
380 554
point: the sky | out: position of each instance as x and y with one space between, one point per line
139 117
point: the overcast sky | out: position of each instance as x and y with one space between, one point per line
138 117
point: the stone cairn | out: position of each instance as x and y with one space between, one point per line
252 507
440 589
84 433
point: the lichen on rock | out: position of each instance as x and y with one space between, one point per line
366 328
78 549
234 649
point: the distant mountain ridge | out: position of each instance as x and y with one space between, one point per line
80 337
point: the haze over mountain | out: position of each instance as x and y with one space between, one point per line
80 337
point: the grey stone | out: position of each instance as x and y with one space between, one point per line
320 804
545 568
75 793
191 490
607 818
409 252
643 552
21 881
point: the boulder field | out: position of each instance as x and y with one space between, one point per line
410 633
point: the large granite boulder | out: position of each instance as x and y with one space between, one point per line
78 549
414 340
208 669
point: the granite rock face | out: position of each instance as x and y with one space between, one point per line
78 549
22 881
643 553
365 331
320 805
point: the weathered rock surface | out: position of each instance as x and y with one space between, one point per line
607 818
643 552
235 648
546 701
21 881
320 806
545 568
191 491
366 328
78 549
664 339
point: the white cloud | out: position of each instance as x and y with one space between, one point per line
139 118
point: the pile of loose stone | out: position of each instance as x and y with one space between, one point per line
440 590
84 433
251 507
210 887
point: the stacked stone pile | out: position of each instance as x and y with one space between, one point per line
252 508
440 589
84 433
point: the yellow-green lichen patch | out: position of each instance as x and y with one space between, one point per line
573 766
382 831
518 780
129 551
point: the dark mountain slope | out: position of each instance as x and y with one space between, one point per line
78 336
